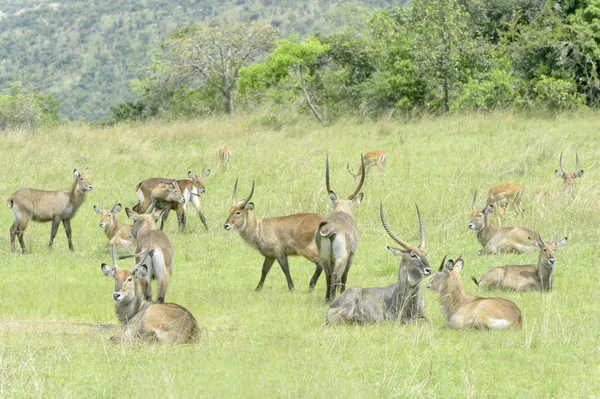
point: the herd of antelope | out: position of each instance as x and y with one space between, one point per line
329 242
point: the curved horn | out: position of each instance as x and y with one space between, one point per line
406 245
474 205
421 228
443 263
234 192
561 167
114 257
541 239
349 170
362 179
143 255
246 200
487 203
327 175
576 163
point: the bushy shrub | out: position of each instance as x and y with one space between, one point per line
556 93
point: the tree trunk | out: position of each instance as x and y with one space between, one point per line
307 98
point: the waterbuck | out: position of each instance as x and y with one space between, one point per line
142 319
569 178
505 195
47 206
161 257
118 234
224 157
518 278
464 310
159 193
275 237
371 158
337 236
497 239
402 300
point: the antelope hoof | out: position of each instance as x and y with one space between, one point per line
258 288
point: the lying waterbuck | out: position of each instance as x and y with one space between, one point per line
538 277
142 319
118 234
190 188
376 158
161 257
47 206
276 237
464 310
497 239
505 195
337 236
402 300
569 178
162 194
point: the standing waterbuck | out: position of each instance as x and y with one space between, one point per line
498 239
402 300
117 233
142 319
518 278
337 236
275 237
224 157
464 310
371 158
569 178
47 206
161 258
505 195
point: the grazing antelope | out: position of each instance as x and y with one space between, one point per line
117 233
371 158
337 236
163 322
276 237
402 300
504 196
518 278
498 239
224 157
161 258
44 206
569 178
190 188
464 310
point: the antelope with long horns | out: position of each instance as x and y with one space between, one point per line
47 206
518 278
569 178
163 322
117 233
337 236
371 158
275 238
402 300
467 311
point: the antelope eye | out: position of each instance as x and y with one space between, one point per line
545 250
414 256
238 213
129 279
480 215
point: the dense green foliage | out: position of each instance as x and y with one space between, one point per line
24 109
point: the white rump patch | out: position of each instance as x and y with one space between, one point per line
499 324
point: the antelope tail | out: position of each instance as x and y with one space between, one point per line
325 229
475 281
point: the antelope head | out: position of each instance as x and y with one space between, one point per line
174 193
569 178
82 180
107 216
547 250
125 280
479 216
345 205
414 259
198 180
440 281
142 221
238 213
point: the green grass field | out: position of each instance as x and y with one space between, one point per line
274 343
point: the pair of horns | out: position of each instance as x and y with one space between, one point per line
451 263
474 204
243 202
358 186
576 163
542 241
401 242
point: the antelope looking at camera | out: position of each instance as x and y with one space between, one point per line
371 158
142 319
504 196
569 178
275 237
498 239
117 233
161 257
224 156
337 236
402 300
464 310
518 278
47 206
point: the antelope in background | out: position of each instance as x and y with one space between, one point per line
465 310
402 300
518 278
569 178
161 257
498 239
142 319
504 196
44 206
371 158
224 157
337 236
275 237
117 233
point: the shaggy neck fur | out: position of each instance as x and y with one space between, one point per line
453 295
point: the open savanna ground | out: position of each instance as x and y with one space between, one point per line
56 306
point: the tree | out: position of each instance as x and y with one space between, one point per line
21 107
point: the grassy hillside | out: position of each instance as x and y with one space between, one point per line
86 52
273 343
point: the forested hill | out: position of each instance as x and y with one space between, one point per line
85 52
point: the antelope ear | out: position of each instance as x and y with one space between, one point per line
559 174
561 243
357 199
132 215
97 210
85 170
116 208
578 174
107 270
191 176
76 173
158 214
458 265
395 251
206 174
332 198
534 242
489 209
250 206
141 271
